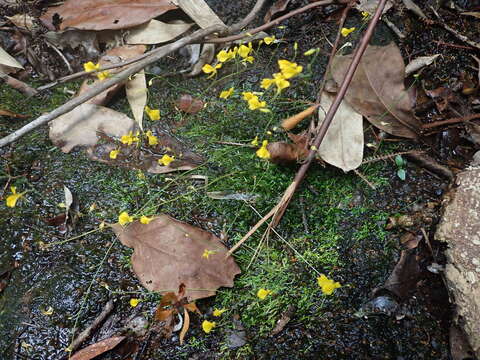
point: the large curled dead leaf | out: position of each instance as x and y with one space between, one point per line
105 14
377 90
81 126
168 253
283 153
343 143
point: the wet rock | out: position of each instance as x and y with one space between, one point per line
460 228
381 305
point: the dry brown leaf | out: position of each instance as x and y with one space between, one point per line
136 90
105 14
7 62
156 32
111 57
23 21
377 90
292 121
279 6
418 63
186 325
99 348
284 153
189 104
168 253
343 143
80 126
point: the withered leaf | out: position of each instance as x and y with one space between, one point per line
168 253
377 90
279 6
99 348
189 104
105 14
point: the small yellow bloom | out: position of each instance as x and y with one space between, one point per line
266 83
13 198
310 52
145 219
124 218
269 39
207 326
249 59
166 160
152 139
206 253
289 69
218 312
346 31
263 293
280 81
209 69
225 94
129 139
224 56
153 114
365 15
328 285
247 95
255 141
114 153
263 151
90 66
102 75
134 302
254 103
244 51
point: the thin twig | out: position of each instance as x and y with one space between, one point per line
277 21
18 85
451 121
364 178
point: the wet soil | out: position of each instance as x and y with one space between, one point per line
77 278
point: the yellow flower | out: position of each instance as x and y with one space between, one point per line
102 75
218 312
153 114
310 52
134 302
166 160
207 253
244 51
225 94
247 95
254 103
249 59
328 285
255 141
114 153
124 218
263 151
129 139
289 69
263 293
280 81
209 69
269 39
13 198
152 139
90 66
365 15
346 31
145 219
224 56
207 326
266 83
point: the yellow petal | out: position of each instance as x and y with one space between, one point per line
255 141
90 66
134 302
225 94
103 75
327 285
124 218
207 326
12 199
269 39
153 114
263 293
218 312
114 153
145 220
263 151
166 160
244 51
346 31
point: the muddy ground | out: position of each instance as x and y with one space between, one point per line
336 221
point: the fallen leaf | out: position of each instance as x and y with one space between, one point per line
79 127
105 14
11 114
472 13
22 21
168 253
186 325
371 5
377 90
74 39
342 145
99 348
189 104
7 62
206 56
284 153
405 274
136 90
418 63
200 12
156 32
277 7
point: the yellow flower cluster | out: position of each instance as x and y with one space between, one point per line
129 139
254 102
288 70
224 56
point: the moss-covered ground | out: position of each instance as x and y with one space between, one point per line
335 225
